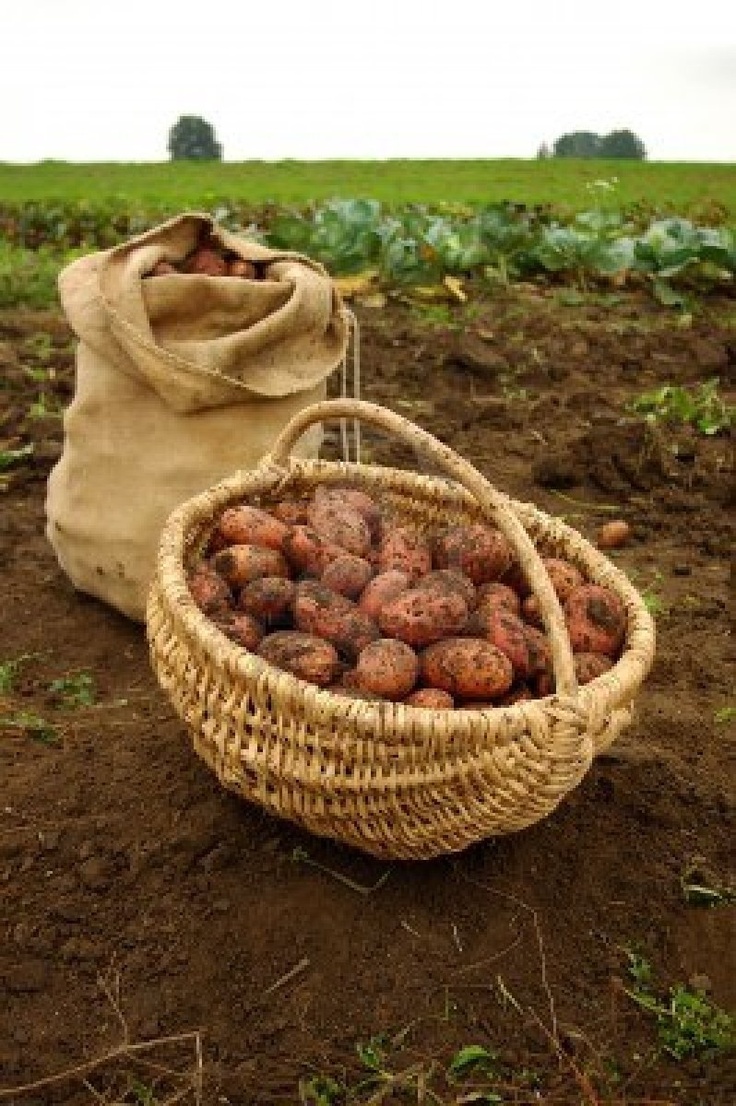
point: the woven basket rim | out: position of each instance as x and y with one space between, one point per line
387 722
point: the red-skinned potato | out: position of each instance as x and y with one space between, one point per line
539 651
482 553
588 666
496 594
467 668
613 535
293 512
243 629
596 620
246 525
504 630
209 590
420 616
205 260
340 525
239 564
163 268
324 613
239 267
303 655
388 668
308 552
564 576
348 575
356 499
269 599
382 589
451 581
432 698
404 549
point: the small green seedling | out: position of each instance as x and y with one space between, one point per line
9 670
688 1023
724 715
32 725
10 457
703 408
75 691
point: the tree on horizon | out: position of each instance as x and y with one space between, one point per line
193 139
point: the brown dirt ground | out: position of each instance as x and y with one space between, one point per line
141 902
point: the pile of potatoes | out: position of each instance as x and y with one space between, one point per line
338 594
209 258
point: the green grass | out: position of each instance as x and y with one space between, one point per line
705 190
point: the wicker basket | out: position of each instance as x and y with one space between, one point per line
393 780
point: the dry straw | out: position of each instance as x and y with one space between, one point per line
393 780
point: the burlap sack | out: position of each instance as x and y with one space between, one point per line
181 379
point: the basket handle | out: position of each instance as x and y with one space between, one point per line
495 505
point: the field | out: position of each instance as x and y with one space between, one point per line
566 184
164 941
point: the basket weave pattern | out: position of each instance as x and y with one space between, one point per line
394 781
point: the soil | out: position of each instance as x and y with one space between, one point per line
247 962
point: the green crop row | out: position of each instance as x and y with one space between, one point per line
407 246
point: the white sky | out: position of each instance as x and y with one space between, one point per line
87 80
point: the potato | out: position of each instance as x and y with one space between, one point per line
590 665
308 552
354 498
239 564
496 594
163 268
531 612
504 630
382 589
482 553
269 599
544 685
205 260
291 511
539 651
469 668
387 667
596 620
519 693
516 580
243 629
303 655
450 581
324 613
239 267
347 575
563 576
404 549
431 698
420 616
613 535
246 525
339 524
209 590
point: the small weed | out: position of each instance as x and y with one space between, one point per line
143 1095
75 691
653 601
44 408
704 409
9 670
688 1023
701 888
40 345
472 1060
321 1090
10 457
32 725
724 715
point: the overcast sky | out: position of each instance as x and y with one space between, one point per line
86 80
